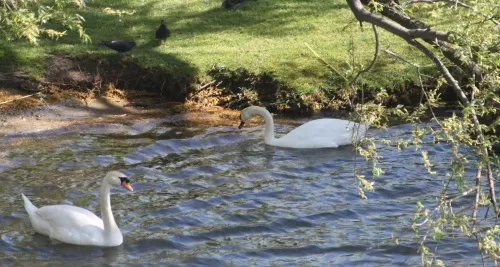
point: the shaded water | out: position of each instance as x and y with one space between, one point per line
218 197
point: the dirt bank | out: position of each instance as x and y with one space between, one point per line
91 76
71 113
86 89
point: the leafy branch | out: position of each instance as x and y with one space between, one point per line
28 19
471 49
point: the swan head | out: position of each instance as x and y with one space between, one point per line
118 178
246 114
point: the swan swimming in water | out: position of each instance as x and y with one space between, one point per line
319 133
79 226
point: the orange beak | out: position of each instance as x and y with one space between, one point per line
127 185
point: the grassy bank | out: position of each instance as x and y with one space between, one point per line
260 36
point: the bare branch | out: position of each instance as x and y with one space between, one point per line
400 58
478 190
375 56
491 182
326 63
393 27
419 78
443 69
404 60
466 64
461 95
427 96
22 97
428 34
363 15
206 85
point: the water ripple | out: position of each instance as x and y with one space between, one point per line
221 197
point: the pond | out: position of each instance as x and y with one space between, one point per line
218 196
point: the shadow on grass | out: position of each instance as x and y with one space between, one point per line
266 18
172 78
124 72
21 56
7 57
146 67
150 44
269 18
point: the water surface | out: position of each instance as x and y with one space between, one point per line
219 197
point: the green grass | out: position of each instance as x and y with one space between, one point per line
262 35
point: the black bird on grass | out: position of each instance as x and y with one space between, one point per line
119 46
228 4
163 32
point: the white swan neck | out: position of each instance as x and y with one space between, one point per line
106 213
269 124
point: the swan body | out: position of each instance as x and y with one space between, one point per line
319 133
74 225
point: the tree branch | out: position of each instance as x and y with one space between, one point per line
363 15
404 60
451 2
443 69
461 95
420 80
326 63
478 191
466 64
435 1
22 97
393 27
375 56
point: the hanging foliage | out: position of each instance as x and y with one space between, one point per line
29 19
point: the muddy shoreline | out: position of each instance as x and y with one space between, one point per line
89 89
91 76
71 114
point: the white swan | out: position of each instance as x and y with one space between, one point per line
79 226
313 134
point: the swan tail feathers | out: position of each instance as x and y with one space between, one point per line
30 208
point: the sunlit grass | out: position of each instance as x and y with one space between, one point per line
260 36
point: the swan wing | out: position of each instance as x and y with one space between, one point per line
322 133
85 235
66 216
71 224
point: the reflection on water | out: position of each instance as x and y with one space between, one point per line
218 196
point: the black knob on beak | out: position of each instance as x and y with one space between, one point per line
242 123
